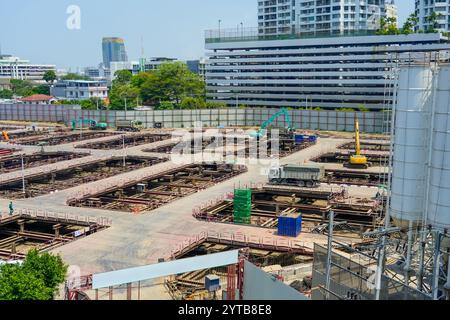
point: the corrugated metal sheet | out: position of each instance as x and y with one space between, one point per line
259 285
114 278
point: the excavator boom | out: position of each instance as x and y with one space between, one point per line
357 161
264 126
357 139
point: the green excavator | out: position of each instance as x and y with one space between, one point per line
262 131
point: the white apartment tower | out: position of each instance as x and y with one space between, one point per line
424 8
278 17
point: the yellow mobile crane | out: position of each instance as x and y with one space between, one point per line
357 161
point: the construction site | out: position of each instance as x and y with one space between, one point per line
240 213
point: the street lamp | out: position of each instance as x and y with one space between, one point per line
220 21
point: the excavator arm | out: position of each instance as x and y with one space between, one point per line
357 139
282 112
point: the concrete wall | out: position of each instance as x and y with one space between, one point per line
370 122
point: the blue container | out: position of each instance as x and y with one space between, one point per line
290 225
299 138
313 139
212 283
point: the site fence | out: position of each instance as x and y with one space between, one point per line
370 122
354 279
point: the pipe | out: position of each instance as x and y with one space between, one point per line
436 265
447 285
421 260
330 252
407 267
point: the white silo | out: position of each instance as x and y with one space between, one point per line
438 213
412 124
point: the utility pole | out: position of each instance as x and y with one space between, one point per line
23 175
220 21
81 128
329 254
124 153
125 107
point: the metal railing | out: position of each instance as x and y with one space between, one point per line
256 34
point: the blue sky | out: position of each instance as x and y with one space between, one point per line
36 29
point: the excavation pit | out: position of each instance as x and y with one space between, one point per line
129 140
40 184
269 202
269 256
351 177
43 231
376 158
54 139
366 145
196 146
14 163
153 192
16 136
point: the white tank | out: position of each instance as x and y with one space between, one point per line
414 103
439 196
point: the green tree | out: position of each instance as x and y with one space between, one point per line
410 25
388 26
190 103
41 89
47 267
91 104
122 77
17 283
50 76
363 108
172 81
21 88
216 105
345 110
74 76
432 20
165 105
6 94
121 93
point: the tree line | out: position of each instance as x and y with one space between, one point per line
171 86
38 277
388 26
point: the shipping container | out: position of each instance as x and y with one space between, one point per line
290 225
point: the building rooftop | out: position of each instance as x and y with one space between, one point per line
37 97
253 34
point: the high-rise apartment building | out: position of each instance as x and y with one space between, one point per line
113 51
425 9
277 17
391 10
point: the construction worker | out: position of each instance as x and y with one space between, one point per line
11 208
5 136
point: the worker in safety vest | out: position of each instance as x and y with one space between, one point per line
5 135
11 208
